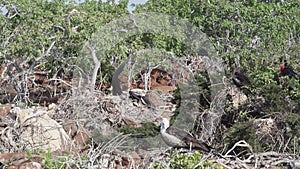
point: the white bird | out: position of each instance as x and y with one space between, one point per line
177 138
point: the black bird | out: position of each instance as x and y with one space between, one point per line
240 79
132 95
137 97
286 70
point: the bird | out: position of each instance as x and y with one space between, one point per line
240 79
291 165
178 138
137 97
286 70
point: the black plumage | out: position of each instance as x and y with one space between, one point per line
137 97
132 95
190 141
288 71
240 79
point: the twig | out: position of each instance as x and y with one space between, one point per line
96 68
60 80
241 143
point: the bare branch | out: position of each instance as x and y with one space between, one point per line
241 143
96 68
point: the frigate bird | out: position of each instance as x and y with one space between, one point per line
240 79
177 138
137 97
286 70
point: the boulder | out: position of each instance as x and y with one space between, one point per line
237 96
5 109
20 160
77 133
40 131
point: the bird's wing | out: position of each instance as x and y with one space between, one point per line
189 140
290 72
134 96
243 78
146 101
179 133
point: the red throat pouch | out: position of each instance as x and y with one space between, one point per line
282 68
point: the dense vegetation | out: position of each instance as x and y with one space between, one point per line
254 36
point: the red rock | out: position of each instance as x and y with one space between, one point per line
155 100
12 156
126 162
4 109
136 157
129 122
165 89
77 133
40 77
30 165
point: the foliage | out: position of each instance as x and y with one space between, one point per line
238 132
240 30
203 83
187 161
240 18
29 29
48 160
146 130
251 35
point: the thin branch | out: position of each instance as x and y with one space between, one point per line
241 143
96 68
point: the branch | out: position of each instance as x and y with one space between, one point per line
241 143
96 68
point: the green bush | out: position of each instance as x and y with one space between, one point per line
187 161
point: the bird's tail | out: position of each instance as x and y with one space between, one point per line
216 153
202 147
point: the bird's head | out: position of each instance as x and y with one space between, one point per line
164 124
282 66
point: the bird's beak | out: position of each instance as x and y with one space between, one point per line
162 126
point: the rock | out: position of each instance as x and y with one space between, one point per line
154 98
129 122
5 109
237 96
165 89
42 132
19 160
127 161
5 157
137 159
77 133
30 165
